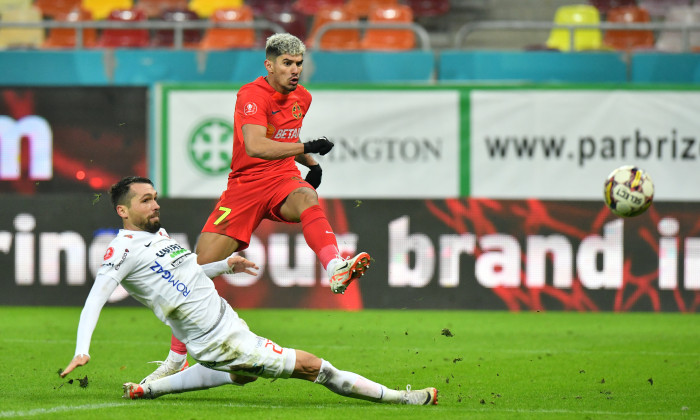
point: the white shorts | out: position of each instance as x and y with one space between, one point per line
232 347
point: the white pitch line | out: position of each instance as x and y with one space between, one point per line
60 409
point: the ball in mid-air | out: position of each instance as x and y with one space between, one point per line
628 191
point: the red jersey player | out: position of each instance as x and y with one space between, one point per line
265 183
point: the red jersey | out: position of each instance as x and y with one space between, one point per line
260 104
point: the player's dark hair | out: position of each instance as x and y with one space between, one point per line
119 192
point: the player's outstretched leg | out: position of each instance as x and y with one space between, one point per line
193 379
352 385
343 272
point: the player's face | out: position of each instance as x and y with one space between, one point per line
283 73
144 211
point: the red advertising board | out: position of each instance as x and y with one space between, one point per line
63 139
430 254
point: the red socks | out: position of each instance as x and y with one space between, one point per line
319 234
177 346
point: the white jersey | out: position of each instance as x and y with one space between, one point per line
165 277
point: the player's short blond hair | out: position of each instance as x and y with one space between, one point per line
279 44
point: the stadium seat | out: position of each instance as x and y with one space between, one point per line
624 39
659 8
228 38
362 7
604 6
21 37
166 37
584 39
292 21
10 5
154 8
66 37
428 8
260 7
206 8
389 39
101 9
672 41
125 38
55 8
334 39
311 7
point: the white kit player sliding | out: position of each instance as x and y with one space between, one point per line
165 277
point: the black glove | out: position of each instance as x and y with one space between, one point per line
314 175
321 146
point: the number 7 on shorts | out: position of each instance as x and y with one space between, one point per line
226 211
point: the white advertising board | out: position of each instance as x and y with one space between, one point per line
388 143
562 144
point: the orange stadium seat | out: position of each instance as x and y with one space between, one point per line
206 8
362 7
155 8
335 39
66 37
389 39
55 8
125 38
628 40
584 39
227 38
100 9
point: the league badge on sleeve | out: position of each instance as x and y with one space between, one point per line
250 108
109 253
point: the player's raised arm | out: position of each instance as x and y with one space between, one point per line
100 292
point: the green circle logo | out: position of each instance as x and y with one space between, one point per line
211 146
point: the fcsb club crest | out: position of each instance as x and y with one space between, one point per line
296 111
250 108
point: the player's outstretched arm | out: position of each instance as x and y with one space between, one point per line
101 291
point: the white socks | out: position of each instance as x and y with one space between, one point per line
192 379
353 385
176 357
341 382
332 264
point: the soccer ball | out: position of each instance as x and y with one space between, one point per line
628 191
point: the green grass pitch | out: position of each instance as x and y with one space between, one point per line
486 365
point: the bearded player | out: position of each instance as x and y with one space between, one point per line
265 183
158 272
